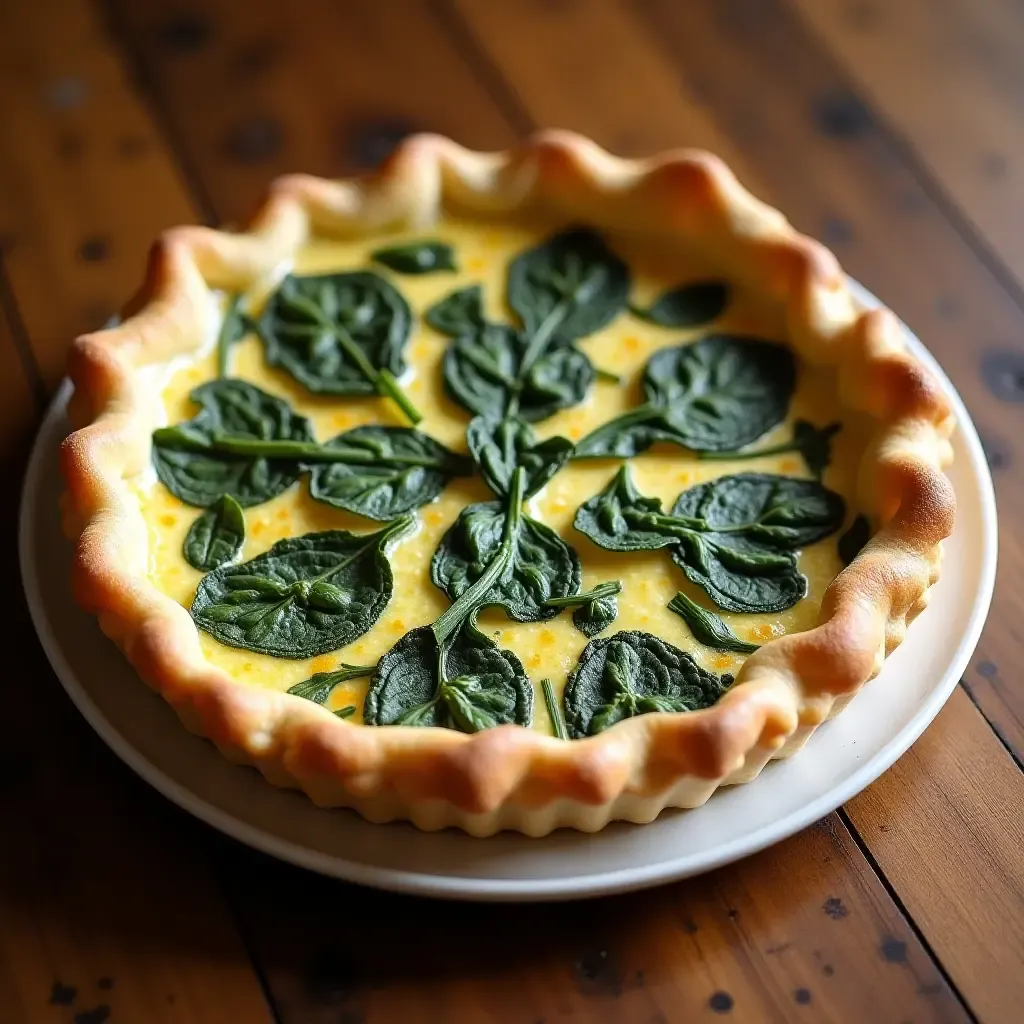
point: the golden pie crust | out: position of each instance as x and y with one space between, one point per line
511 777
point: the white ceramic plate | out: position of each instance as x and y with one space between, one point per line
840 759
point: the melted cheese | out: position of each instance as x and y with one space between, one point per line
547 649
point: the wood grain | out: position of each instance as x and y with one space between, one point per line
85 184
19 407
948 78
946 829
315 86
803 932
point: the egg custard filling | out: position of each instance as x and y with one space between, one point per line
500 473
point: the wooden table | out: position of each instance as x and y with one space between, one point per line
891 129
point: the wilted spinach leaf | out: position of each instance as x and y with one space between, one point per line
216 536
735 536
459 312
404 469
486 373
339 334
320 685
192 471
304 597
540 564
498 447
633 674
416 257
595 610
465 683
707 627
718 394
687 305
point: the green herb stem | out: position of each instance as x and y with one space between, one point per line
346 712
446 625
226 336
642 414
306 451
709 628
609 589
554 713
607 376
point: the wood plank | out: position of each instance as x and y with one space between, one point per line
804 931
314 86
85 183
948 78
945 827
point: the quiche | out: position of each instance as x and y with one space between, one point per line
524 490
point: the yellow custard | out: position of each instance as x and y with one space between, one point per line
650 579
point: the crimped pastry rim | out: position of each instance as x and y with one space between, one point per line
512 777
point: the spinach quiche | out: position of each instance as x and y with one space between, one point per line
505 491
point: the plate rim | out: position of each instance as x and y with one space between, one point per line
532 890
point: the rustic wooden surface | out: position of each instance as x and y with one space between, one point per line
891 130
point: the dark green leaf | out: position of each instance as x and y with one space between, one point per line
320 685
707 627
687 305
482 686
232 407
216 536
498 447
854 539
595 610
483 372
541 565
346 712
718 394
568 287
459 312
416 257
743 558
234 327
620 518
332 332
304 597
408 469
632 674
813 443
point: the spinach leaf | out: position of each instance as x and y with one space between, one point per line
687 305
304 597
234 327
321 685
499 447
853 540
416 257
192 471
718 394
339 334
466 683
554 711
620 518
459 312
404 470
569 286
486 373
707 627
216 536
540 564
813 443
633 674
595 610
735 536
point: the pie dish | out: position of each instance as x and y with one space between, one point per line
234 557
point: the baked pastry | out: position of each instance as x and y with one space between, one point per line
424 471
